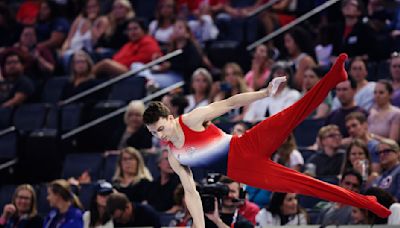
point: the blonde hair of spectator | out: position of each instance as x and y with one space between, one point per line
239 76
62 188
142 171
326 129
204 72
113 21
391 143
89 62
33 207
135 105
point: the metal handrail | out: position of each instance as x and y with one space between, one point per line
7 130
262 8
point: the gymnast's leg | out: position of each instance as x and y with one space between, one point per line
269 134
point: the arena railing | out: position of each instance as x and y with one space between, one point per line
14 161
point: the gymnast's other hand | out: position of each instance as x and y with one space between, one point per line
273 86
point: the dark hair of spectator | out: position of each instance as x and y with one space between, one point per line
154 112
95 215
140 22
352 172
276 203
10 53
53 10
159 17
387 84
320 71
303 40
384 198
116 201
361 117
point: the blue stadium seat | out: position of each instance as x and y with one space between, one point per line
165 219
307 132
110 164
313 215
383 70
308 201
5 117
86 193
132 88
29 117
306 153
43 204
151 163
71 116
53 88
75 164
6 193
8 145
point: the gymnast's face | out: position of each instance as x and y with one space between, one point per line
163 129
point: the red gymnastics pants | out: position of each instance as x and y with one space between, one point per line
249 155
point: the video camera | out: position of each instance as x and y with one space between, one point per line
211 190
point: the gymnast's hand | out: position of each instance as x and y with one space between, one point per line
273 86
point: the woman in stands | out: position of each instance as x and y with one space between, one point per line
283 210
97 216
260 68
201 89
162 28
67 209
131 175
288 155
195 142
22 212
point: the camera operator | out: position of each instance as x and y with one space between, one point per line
228 214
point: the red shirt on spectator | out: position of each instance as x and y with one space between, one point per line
249 211
142 50
27 12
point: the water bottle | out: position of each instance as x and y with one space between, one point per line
364 169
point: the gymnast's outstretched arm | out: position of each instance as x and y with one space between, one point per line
206 113
192 197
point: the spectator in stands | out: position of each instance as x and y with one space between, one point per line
357 126
176 102
300 51
202 24
134 133
191 58
162 28
8 26
288 155
182 216
284 97
131 175
22 211
161 192
81 77
384 118
141 48
337 213
201 89
328 161
67 209
229 214
51 29
130 214
16 88
345 93
97 215
114 37
283 210
84 32
384 198
395 75
353 36
232 83
364 96
312 77
39 62
389 180
260 71
358 159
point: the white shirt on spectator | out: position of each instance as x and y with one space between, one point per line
394 218
264 218
162 35
86 221
295 159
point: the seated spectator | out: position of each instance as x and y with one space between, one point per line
130 214
389 180
131 176
84 31
22 211
134 133
284 210
51 29
97 215
283 98
288 155
67 209
200 89
384 118
16 88
312 77
364 96
357 126
328 161
358 159
39 62
81 77
260 71
300 50
162 28
395 76
176 102
337 213
202 24
160 194
141 48
114 36
345 93
232 83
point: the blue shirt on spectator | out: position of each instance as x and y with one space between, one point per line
71 219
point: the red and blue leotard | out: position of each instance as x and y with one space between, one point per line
246 158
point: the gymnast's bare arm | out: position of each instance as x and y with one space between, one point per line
192 197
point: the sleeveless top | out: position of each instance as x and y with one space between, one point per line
203 149
79 40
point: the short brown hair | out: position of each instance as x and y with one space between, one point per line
116 201
357 116
154 112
